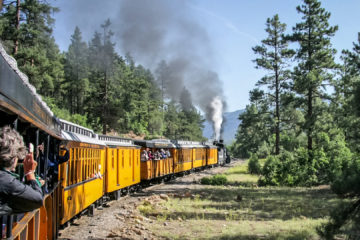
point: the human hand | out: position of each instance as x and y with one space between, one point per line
39 149
42 181
29 166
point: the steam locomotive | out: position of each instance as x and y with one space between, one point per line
98 167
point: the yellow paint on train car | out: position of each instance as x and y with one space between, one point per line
184 161
162 167
82 179
157 168
212 157
146 170
199 156
122 168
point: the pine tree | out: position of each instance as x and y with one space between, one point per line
103 63
76 73
254 130
172 121
346 97
26 28
316 58
274 55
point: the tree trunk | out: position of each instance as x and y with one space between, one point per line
17 26
277 128
309 121
105 105
277 97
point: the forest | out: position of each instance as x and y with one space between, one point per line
303 116
91 84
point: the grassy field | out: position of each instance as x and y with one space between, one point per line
242 210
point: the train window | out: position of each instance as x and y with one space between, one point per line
71 162
89 163
73 180
68 172
86 164
96 165
113 158
75 166
82 164
92 163
79 165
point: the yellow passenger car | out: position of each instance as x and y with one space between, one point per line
122 165
162 164
211 154
190 155
82 177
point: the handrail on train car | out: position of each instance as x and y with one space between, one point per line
28 227
31 226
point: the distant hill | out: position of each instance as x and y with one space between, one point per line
230 126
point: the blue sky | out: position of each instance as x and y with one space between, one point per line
233 27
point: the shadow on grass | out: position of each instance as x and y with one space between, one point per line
297 235
255 204
278 203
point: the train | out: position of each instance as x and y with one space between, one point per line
96 167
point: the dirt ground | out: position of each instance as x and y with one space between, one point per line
122 220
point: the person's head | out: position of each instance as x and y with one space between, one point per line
12 148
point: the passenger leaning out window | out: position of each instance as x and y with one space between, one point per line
17 196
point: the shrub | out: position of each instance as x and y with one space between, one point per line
205 181
264 150
214 180
270 171
254 166
287 169
303 168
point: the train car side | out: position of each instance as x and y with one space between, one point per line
22 108
82 181
158 167
211 154
122 164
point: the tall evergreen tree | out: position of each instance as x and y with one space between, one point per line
273 57
347 89
316 58
26 27
76 73
255 126
102 60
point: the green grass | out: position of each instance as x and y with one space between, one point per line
244 212
238 175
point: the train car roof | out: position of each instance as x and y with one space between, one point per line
19 97
155 143
73 132
209 144
117 141
187 144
